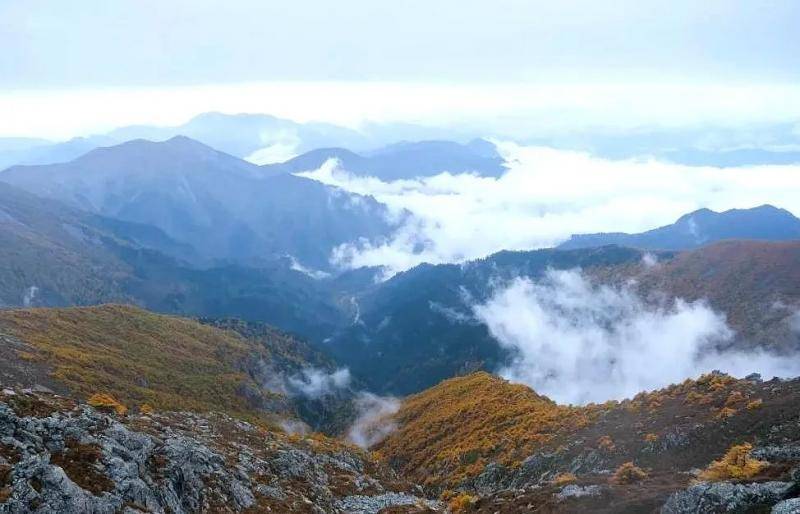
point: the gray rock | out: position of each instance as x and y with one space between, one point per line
791 506
373 504
725 497
577 491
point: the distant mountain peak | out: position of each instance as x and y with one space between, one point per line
764 222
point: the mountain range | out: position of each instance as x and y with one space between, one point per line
702 227
405 160
225 208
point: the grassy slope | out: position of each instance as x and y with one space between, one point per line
137 356
451 431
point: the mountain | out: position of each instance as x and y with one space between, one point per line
418 327
224 207
755 283
405 160
702 227
712 444
261 137
54 255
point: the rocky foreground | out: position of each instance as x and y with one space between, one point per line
57 455
60 455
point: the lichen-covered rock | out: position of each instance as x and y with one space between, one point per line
374 504
791 506
577 491
61 456
725 497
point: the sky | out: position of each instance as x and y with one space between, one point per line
73 68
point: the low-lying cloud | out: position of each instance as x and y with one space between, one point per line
375 419
315 383
546 196
577 342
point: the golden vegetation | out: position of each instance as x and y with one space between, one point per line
735 464
450 431
107 403
137 356
755 404
605 443
461 502
564 479
629 473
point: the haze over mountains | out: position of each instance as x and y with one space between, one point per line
224 207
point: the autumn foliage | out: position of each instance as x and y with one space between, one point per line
106 403
450 432
735 464
628 473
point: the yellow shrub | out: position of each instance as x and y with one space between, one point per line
651 438
725 412
628 473
461 502
755 404
606 443
735 464
146 408
106 403
564 479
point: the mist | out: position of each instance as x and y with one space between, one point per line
546 196
374 421
576 342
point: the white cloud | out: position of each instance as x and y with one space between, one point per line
374 421
576 342
546 196
316 383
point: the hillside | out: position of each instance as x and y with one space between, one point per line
223 207
166 362
511 447
756 284
418 328
700 228
61 455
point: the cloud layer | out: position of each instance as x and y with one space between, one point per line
576 342
546 196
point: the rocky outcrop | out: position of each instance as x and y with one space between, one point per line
57 455
725 497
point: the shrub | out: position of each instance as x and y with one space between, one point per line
735 464
755 404
146 408
606 443
628 473
461 502
564 479
725 412
651 438
106 403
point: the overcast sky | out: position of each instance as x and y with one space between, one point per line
66 48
